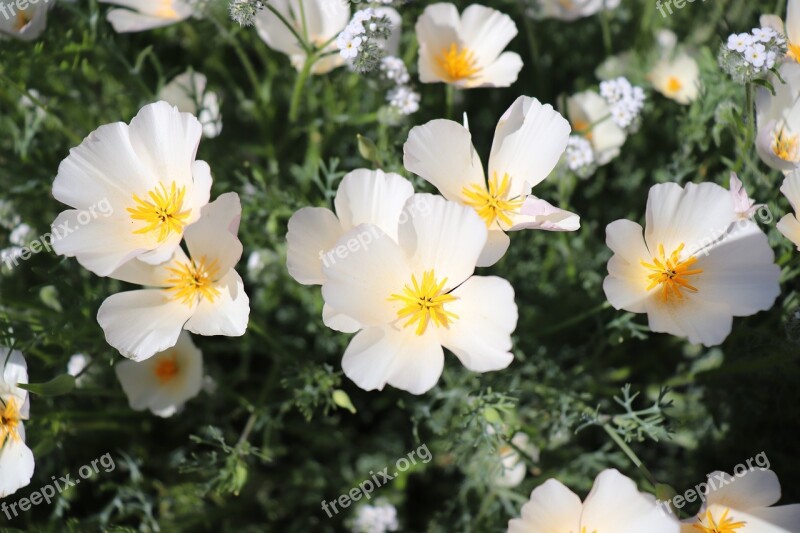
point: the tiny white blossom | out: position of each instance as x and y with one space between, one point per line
21 235
378 518
404 99
348 44
395 70
739 42
756 55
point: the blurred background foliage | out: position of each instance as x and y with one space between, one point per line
267 441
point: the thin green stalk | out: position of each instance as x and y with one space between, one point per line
303 17
449 97
303 42
299 84
534 48
605 26
630 453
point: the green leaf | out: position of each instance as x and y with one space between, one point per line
367 149
57 386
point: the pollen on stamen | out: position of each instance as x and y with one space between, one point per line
493 204
162 213
457 63
671 273
193 281
424 303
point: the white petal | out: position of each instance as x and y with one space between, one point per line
790 228
486 32
501 73
551 508
380 356
497 243
274 32
200 193
791 189
780 519
313 232
772 21
441 153
140 273
32 29
127 21
142 323
437 29
481 335
626 285
754 489
793 21
14 370
372 197
16 466
339 321
700 321
211 236
228 314
539 214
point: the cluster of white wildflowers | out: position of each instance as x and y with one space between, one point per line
394 70
361 42
377 518
747 56
244 12
625 101
579 156
402 97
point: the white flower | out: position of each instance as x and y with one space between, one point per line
572 10
756 55
325 19
590 115
677 78
164 382
512 465
404 99
16 459
418 294
744 504
739 42
188 93
693 270
624 100
528 143
141 15
467 50
778 120
793 29
789 225
764 35
378 518
147 174
348 44
745 207
614 505
579 154
24 24
201 292
364 197
76 364
21 235
395 70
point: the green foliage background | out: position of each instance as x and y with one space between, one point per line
261 452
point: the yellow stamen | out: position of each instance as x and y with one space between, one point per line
785 145
166 369
193 281
674 85
725 525
671 273
166 10
457 64
793 52
424 302
9 422
163 212
492 204
582 127
22 20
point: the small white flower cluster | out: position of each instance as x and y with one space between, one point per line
244 11
580 156
393 69
377 518
358 42
404 99
626 101
747 56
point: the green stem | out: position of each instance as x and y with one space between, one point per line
303 17
630 453
303 42
604 24
449 97
534 48
299 84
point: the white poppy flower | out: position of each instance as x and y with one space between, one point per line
744 504
416 295
570 10
142 15
166 381
590 116
467 50
528 143
364 197
512 465
23 24
778 120
325 20
789 225
188 93
614 505
694 269
200 292
146 176
16 459
677 78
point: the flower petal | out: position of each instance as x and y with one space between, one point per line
16 466
372 197
540 214
552 507
228 314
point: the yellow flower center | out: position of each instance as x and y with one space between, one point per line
582 127
424 302
163 212
193 280
457 63
785 145
674 85
166 10
793 52
22 20
725 524
671 273
9 421
492 204
166 369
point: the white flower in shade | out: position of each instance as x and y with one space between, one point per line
590 116
142 15
528 143
166 381
756 55
789 225
404 99
146 173
614 505
364 197
76 365
378 518
677 78
349 44
693 270
744 504
200 292
573 9
512 465
739 42
16 459
778 120
325 20
418 294
395 70
745 207
467 50
23 24
188 93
